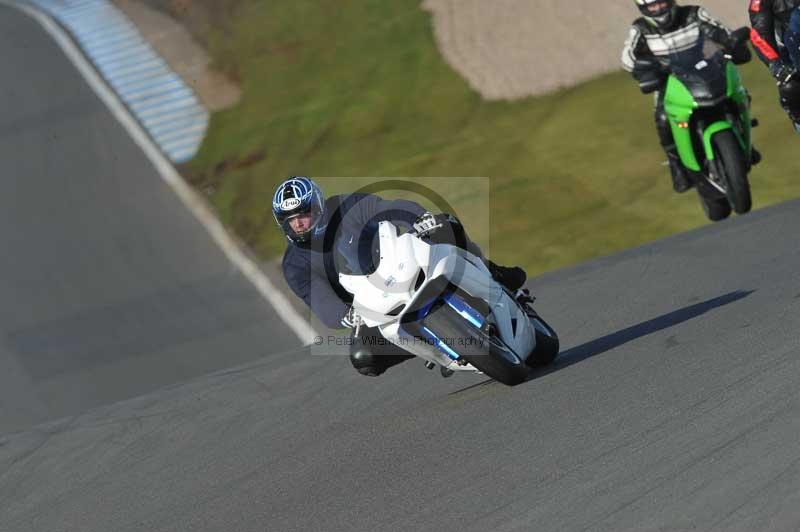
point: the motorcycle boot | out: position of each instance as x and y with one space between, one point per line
525 299
790 100
755 156
680 180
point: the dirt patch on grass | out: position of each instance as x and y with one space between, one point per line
208 181
510 49
180 49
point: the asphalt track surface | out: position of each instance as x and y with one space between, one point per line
675 405
109 288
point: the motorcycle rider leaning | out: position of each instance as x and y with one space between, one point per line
318 229
775 36
663 28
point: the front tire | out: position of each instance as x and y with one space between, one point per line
485 352
734 166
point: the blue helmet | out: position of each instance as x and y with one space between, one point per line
294 197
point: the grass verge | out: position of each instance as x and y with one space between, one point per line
359 89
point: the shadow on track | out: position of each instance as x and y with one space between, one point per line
611 341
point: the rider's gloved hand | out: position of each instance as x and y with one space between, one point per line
350 319
782 72
427 223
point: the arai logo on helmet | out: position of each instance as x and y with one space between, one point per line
289 204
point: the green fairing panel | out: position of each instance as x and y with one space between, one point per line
679 106
710 131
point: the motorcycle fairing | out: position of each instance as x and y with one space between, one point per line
405 260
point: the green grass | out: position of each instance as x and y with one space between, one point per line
358 88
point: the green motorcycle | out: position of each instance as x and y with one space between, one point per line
709 112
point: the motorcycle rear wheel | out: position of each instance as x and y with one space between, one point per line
547 344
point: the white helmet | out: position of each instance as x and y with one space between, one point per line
659 13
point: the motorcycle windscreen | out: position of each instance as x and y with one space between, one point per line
358 254
701 68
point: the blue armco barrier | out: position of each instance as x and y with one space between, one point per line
166 107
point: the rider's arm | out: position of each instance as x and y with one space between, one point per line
719 33
639 60
635 48
714 29
762 34
316 291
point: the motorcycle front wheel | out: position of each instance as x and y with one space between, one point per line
734 167
486 352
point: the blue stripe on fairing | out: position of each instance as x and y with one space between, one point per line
466 311
443 347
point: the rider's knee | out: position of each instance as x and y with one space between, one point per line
794 21
364 360
372 355
790 98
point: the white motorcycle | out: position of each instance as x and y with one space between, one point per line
440 303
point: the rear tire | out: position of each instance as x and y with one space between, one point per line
734 166
547 344
487 354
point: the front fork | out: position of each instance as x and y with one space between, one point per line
704 162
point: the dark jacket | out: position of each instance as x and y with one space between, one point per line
310 269
770 20
646 41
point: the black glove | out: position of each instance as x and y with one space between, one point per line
782 72
650 74
648 66
651 81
